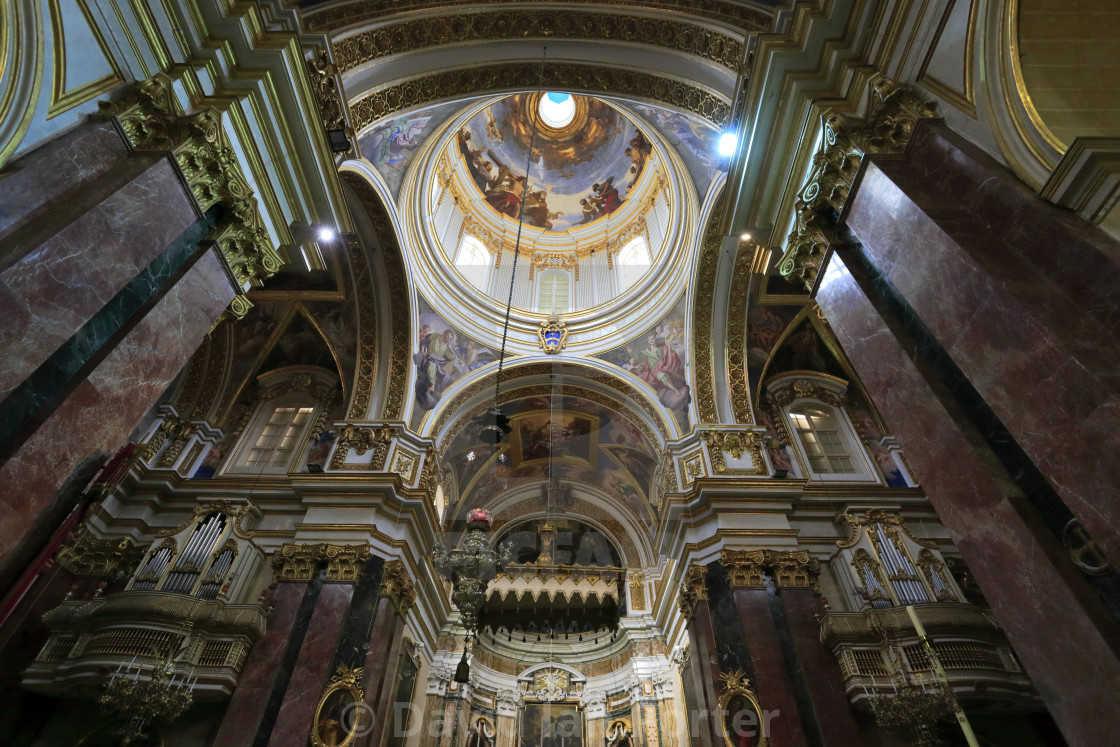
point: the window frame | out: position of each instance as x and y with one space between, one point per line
479 278
538 286
255 430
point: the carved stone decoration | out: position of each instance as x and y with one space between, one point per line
552 334
637 591
681 655
397 585
550 685
361 440
509 702
86 555
735 443
745 568
577 78
173 428
294 562
694 587
893 112
151 119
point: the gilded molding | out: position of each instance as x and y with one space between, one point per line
413 34
172 428
236 511
694 588
795 389
858 524
151 120
351 14
735 443
637 591
361 440
294 562
83 554
702 318
496 78
398 586
892 114
328 95
746 261
400 315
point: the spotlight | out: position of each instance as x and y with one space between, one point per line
745 237
326 234
338 141
727 144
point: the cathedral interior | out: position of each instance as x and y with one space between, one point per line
557 373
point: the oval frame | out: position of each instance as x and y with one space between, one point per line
346 681
737 685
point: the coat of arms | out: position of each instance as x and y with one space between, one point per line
552 334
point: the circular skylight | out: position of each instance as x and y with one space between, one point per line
557 109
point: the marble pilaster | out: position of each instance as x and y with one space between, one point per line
312 670
1031 585
255 684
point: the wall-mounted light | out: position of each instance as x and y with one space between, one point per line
727 144
326 234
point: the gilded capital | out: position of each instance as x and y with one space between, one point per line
294 562
794 569
745 568
694 588
398 586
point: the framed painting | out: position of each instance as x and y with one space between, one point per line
551 725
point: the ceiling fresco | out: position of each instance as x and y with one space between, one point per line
442 355
565 437
659 356
578 173
391 145
694 139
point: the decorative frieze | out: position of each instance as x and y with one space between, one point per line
892 114
86 555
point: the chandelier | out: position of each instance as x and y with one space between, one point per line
470 568
914 706
160 697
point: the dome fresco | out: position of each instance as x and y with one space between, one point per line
578 172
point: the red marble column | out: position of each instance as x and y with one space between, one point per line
98 415
258 677
704 718
1023 296
385 645
1059 629
771 679
313 667
820 669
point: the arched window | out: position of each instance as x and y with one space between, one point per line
474 262
819 431
632 263
553 292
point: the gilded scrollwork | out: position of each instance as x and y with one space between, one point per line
83 554
172 428
238 512
483 79
637 590
361 439
412 34
790 569
746 263
151 119
324 85
295 562
893 112
735 443
702 318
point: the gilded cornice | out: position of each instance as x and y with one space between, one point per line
694 588
151 120
893 113
483 79
295 562
396 280
86 555
398 586
496 24
734 14
702 318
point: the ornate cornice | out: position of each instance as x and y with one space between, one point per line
734 14
86 555
361 440
294 562
151 120
483 79
893 113
694 588
496 24
398 586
